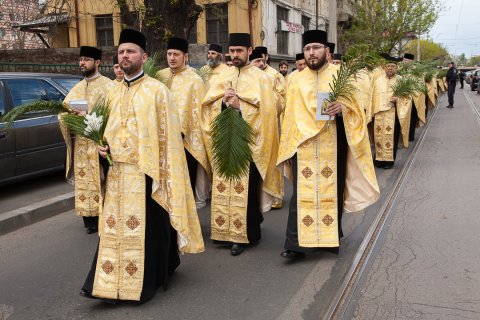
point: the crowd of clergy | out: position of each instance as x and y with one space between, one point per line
144 205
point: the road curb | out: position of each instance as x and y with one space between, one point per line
35 212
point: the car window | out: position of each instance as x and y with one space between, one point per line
67 83
52 92
2 102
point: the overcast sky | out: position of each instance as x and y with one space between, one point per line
458 27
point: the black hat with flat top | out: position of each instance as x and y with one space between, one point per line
409 56
177 44
133 36
91 52
311 36
215 47
240 40
256 54
299 56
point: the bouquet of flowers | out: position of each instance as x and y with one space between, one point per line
92 125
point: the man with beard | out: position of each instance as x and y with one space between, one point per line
330 159
391 115
188 89
149 210
228 60
337 59
214 66
82 165
236 215
117 70
299 64
283 68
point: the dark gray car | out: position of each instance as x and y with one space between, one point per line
34 145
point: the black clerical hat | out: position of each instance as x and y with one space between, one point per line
310 36
115 59
133 36
228 58
337 56
255 54
91 52
409 56
331 46
240 39
215 47
299 56
389 58
178 44
263 50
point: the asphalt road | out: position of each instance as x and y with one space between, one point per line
43 267
427 265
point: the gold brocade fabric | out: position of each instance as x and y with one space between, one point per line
363 94
317 197
144 130
279 88
254 89
82 155
441 85
121 251
419 100
381 93
431 94
384 126
212 75
187 91
300 125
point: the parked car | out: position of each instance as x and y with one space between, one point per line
34 144
468 77
474 79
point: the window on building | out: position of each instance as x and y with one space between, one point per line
217 24
282 36
1 16
2 33
104 25
306 23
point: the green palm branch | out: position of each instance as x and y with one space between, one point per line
231 139
151 66
91 126
407 87
204 74
54 107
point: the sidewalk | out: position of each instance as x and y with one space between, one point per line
427 264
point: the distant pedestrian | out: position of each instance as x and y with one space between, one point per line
452 82
461 76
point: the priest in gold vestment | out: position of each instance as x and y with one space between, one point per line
331 161
83 166
187 89
391 115
214 67
149 211
235 211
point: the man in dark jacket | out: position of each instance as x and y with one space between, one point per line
461 77
451 81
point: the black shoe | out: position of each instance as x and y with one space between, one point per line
220 242
84 293
90 230
388 166
292 255
237 249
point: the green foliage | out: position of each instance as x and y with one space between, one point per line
429 50
357 58
231 139
385 24
407 87
54 107
203 74
151 66
91 126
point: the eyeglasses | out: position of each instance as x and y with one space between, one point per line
315 47
83 59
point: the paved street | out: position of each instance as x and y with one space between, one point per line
426 257
428 266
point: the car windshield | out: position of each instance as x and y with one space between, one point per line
67 83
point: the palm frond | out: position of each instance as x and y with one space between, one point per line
151 66
54 107
231 139
204 74
407 87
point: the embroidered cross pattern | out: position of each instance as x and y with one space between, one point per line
237 223
221 187
388 144
307 220
307 172
379 128
96 198
107 267
379 145
82 173
131 268
111 222
82 198
220 221
239 188
328 220
389 128
327 172
132 223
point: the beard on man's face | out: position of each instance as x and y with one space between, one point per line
284 72
88 72
130 68
212 63
317 63
238 62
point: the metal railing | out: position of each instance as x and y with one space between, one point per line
106 70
